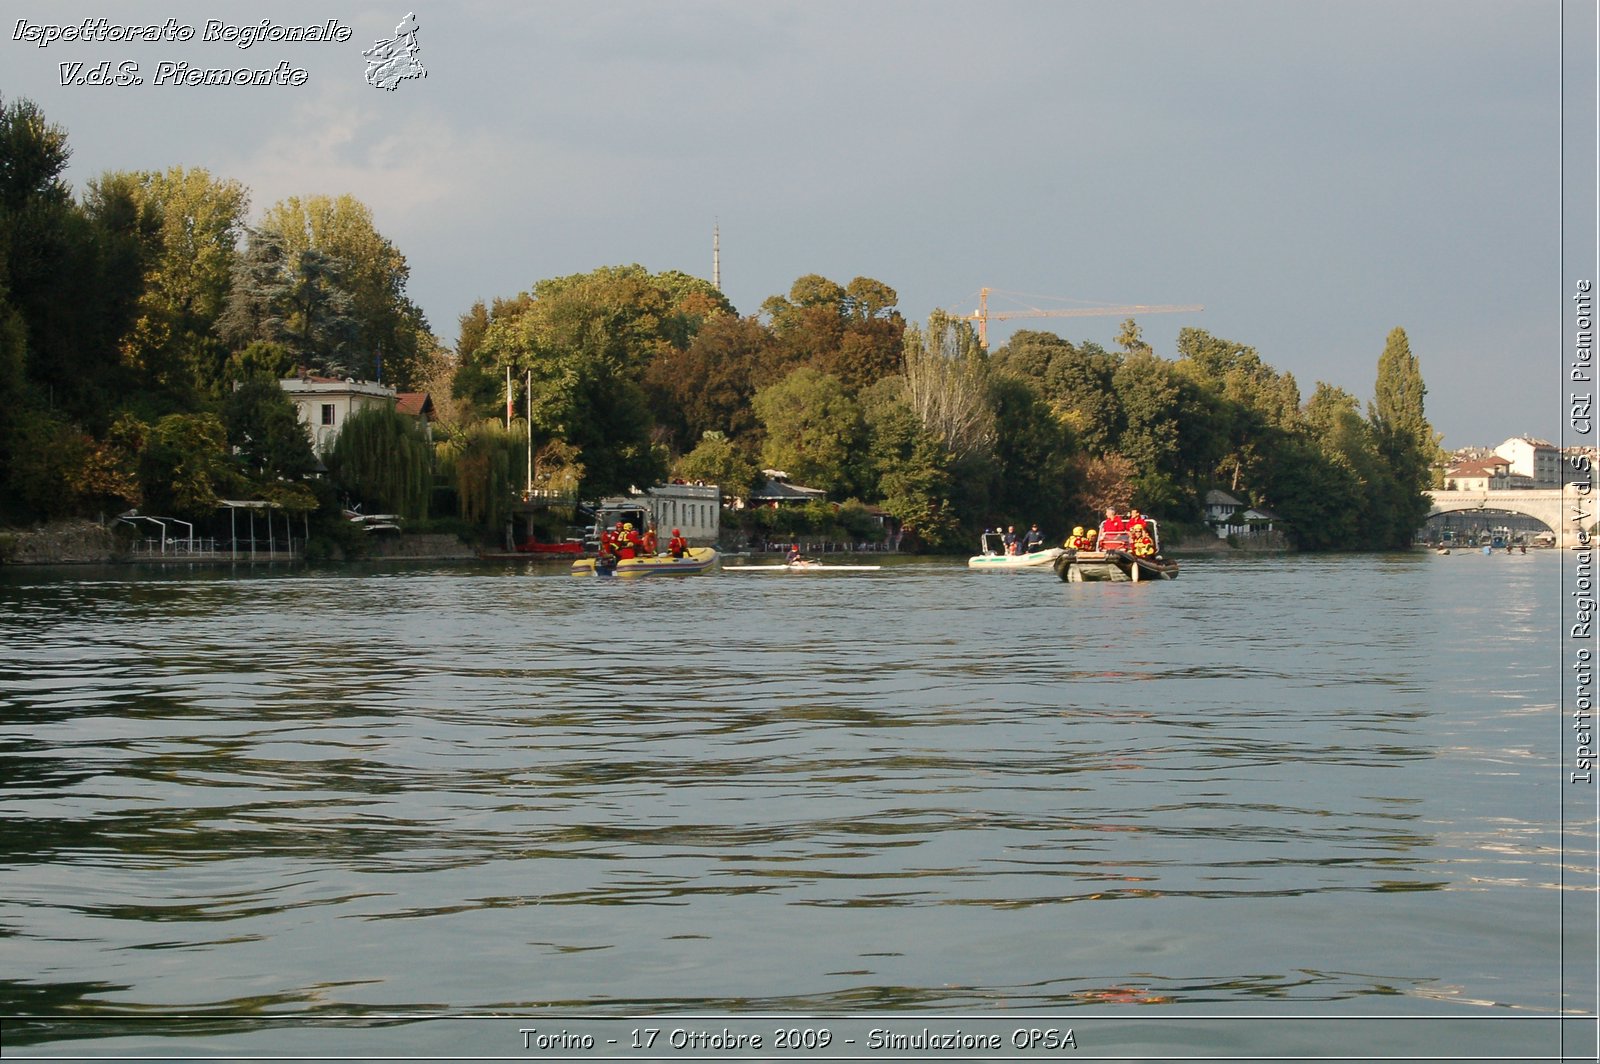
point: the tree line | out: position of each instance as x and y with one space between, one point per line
144 326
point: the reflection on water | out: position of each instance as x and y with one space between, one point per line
480 788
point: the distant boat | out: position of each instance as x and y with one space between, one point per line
1077 566
697 560
999 559
803 566
1114 559
529 546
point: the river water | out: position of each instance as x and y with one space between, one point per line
1285 805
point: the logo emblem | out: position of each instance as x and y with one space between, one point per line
392 61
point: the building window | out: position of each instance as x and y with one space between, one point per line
327 413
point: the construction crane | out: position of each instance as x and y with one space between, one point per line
983 313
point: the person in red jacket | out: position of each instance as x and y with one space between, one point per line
677 546
1113 530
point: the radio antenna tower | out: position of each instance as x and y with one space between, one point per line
716 256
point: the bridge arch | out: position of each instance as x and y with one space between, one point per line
1554 506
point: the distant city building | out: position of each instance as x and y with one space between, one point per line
1484 474
1537 460
1578 464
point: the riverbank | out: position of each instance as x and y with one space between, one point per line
91 543
59 543
1274 544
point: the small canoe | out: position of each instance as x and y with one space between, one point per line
698 560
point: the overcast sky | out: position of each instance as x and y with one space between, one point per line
1313 173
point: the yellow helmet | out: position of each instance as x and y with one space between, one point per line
627 526
1091 533
1077 530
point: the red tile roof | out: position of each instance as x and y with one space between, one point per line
417 404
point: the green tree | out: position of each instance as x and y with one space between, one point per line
185 466
1252 404
583 344
265 432
1033 453
718 460
1148 395
850 332
814 429
910 470
708 386
173 342
366 277
1405 440
54 275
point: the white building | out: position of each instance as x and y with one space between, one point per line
696 509
1538 460
326 403
1232 517
1485 474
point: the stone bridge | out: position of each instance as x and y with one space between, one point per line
1556 507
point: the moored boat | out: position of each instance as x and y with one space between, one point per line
529 546
696 560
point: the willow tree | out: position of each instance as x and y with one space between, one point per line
484 464
382 459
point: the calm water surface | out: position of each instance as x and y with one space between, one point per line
1300 787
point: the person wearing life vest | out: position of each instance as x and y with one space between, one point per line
627 542
1143 545
1088 540
605 558
677 546
1076 541
650 541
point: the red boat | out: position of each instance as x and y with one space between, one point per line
528 546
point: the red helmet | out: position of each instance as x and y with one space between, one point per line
675 532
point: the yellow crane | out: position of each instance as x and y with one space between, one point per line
983 313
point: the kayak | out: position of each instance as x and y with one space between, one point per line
805 567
